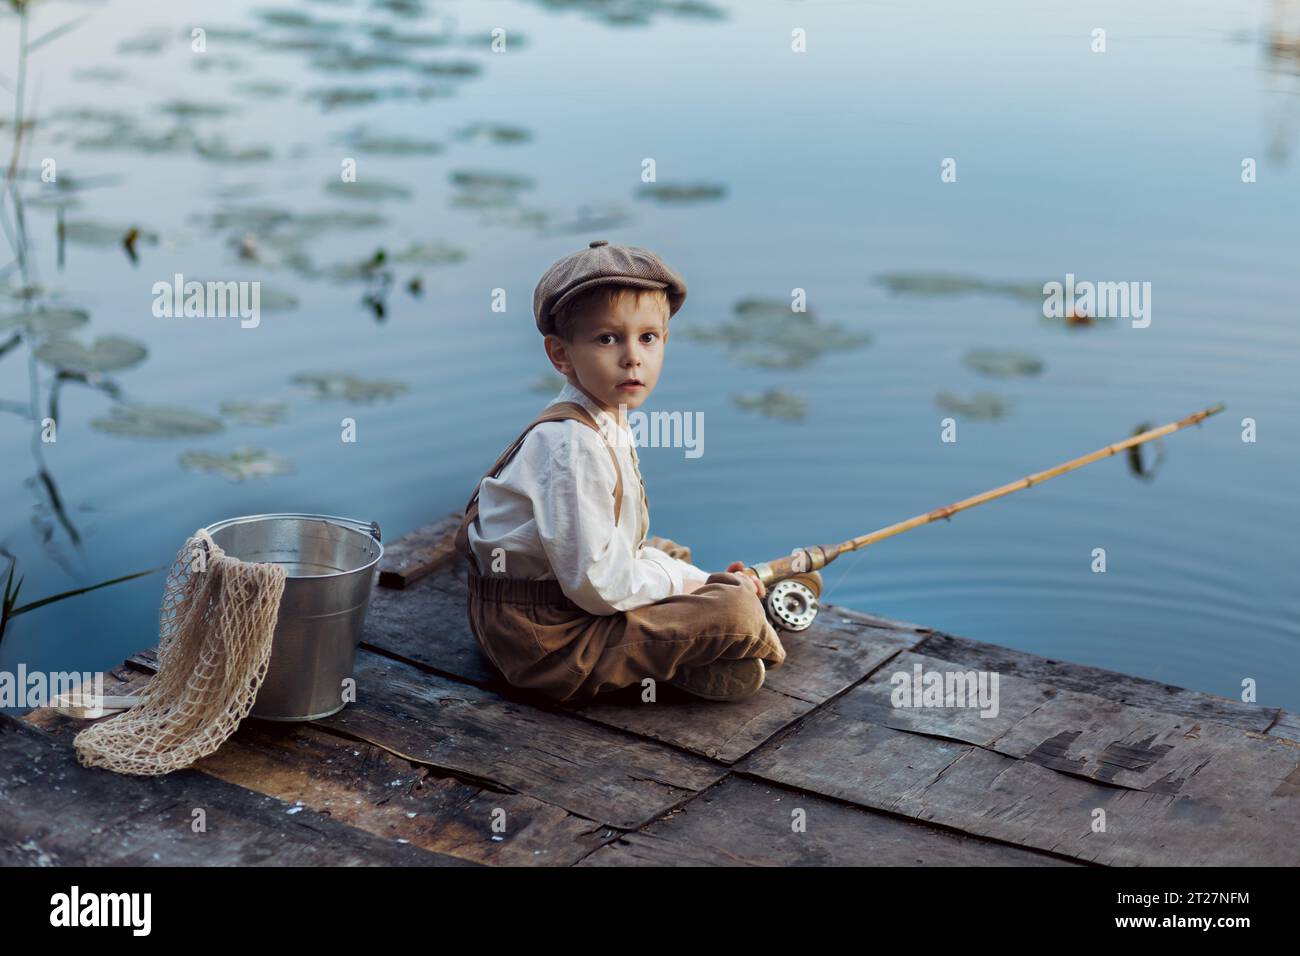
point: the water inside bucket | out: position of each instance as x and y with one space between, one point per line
305 545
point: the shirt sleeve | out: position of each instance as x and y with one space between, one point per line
681 571
574 510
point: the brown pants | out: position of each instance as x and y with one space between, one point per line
539 639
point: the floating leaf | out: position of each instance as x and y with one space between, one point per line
255 413
339 59
242 464
360 139
111 353
351 388
151 41
100 74
430 254
488 180
375 189
774 403
768 334
594 217
1003 364
296 20
456 68
981 405
262 89
218 149
682 192
944 283
156 421
88 232
275 300
494 133
191 109
46 321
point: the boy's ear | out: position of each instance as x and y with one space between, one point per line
558 353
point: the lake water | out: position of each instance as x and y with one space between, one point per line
819 171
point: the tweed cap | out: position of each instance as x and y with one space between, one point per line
603 264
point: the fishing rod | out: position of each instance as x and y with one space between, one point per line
792 596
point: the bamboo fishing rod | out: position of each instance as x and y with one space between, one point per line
803 560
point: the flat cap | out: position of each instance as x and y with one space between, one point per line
603 264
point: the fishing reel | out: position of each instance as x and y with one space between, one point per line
792 601
792 604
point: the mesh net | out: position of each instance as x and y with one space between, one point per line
214 644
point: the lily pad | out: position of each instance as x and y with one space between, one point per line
945 283
682 192
594 217
774 403
455 68
766 333
368 188
361 139
981 406
89 232
156 421
46 321
192 109
430 254
219 149
154 40
255 413
348 387
111 353
1003 364
482 179
270 299
242 464
496 133
262 89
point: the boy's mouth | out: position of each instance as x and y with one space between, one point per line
631 385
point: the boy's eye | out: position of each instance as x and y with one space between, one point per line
653 335
607 335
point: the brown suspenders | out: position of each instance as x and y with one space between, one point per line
560 411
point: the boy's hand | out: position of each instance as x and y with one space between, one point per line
742 578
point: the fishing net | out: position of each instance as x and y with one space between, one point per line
214 645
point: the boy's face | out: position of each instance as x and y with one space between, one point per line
626 343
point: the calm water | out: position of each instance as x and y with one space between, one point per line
822 172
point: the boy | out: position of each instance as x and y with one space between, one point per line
567 594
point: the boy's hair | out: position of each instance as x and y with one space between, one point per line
599 299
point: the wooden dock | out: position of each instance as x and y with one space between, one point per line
439 763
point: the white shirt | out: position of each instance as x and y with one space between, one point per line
551 512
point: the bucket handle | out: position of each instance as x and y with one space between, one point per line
366 527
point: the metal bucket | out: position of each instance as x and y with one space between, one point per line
331 563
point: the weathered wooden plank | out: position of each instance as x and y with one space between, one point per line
741 822
369 788
992 795
873 701
601 774
54 811
1079 733
595 773
1287 725
722 731
418 553
1144 749
1113 685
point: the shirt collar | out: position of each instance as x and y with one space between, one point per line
571 393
